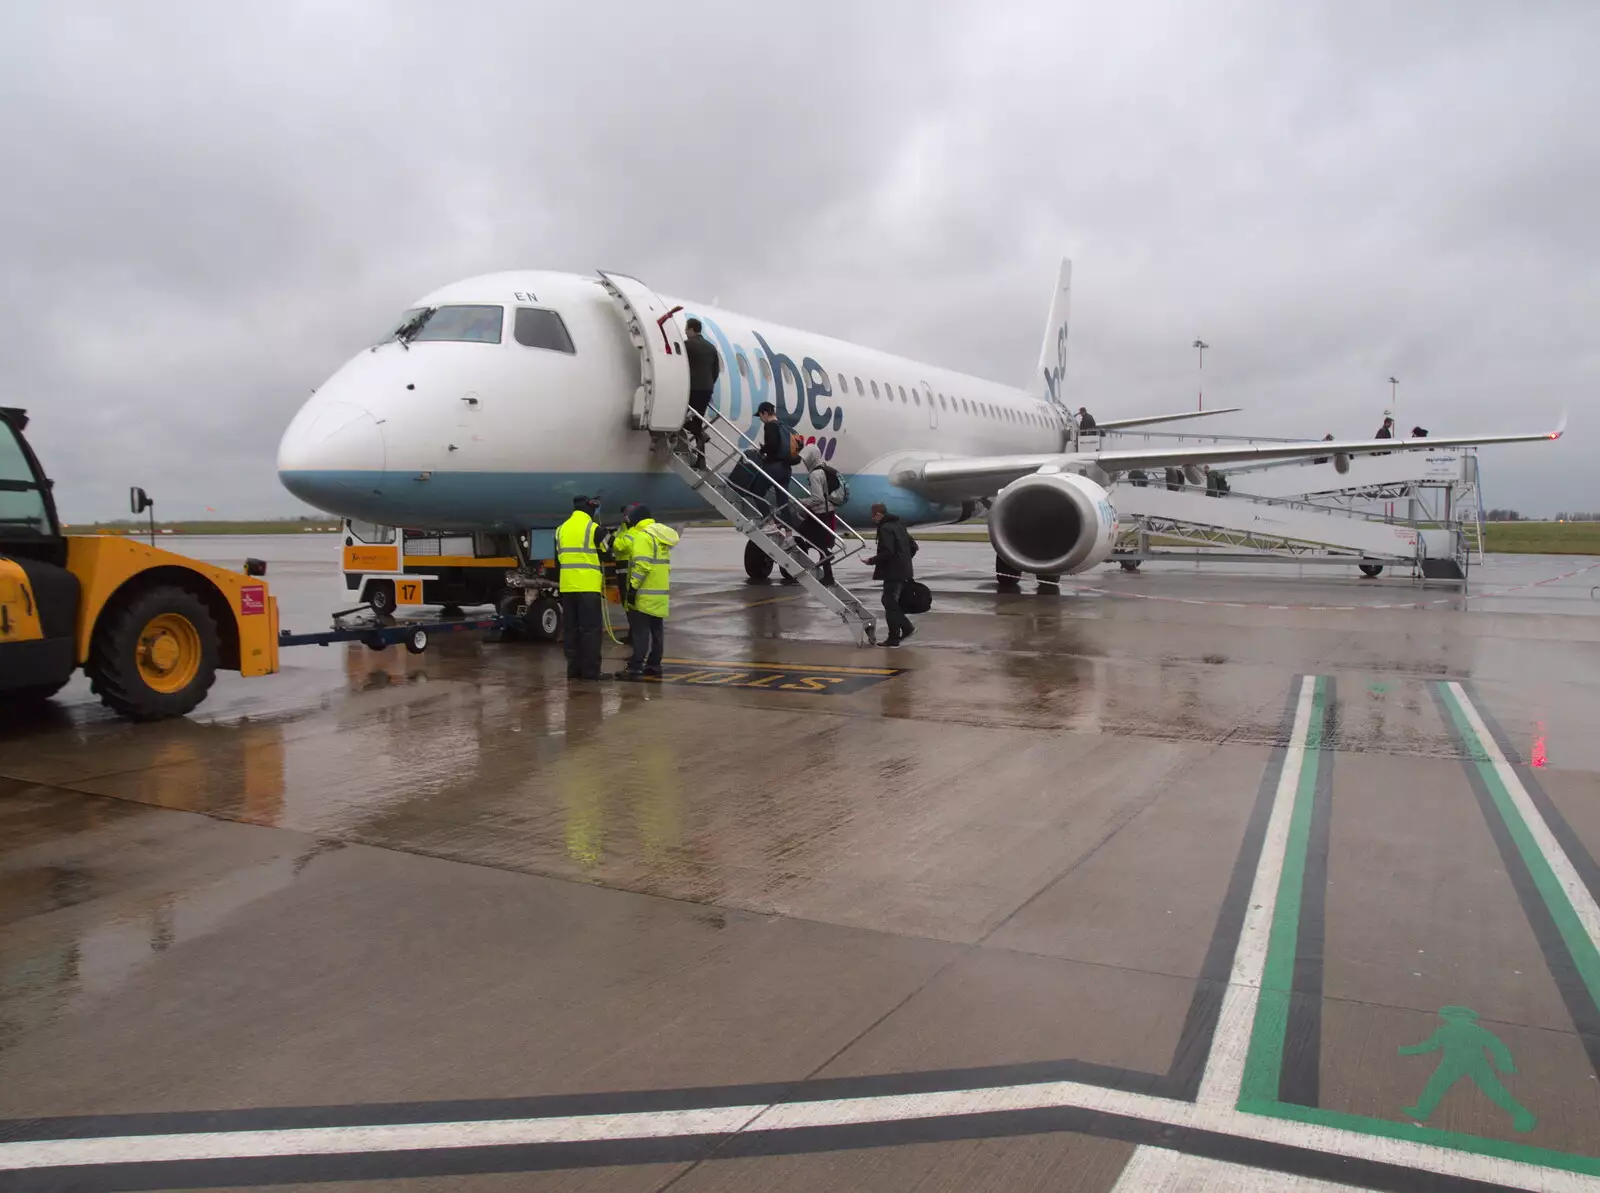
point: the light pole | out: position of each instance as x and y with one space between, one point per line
1202 345
1394 402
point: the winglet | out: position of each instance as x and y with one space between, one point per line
1561 427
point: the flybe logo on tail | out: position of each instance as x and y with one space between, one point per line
801 392
1053 374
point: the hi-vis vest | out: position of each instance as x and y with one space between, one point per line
577 556
650 544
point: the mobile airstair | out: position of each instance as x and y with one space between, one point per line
774 521
1438 487
1413 507
1162 524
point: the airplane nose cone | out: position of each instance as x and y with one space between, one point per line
329 450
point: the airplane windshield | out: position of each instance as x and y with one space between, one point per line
465 323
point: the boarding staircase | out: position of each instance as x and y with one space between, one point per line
775 521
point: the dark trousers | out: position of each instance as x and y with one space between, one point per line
818 532
899 623
580 624
648 634
780 471
699 402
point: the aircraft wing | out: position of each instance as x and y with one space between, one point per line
1144 420
982 476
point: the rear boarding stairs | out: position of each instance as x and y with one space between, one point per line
775 522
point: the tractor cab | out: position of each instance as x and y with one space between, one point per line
28 522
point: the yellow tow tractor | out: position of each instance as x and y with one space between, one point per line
149 627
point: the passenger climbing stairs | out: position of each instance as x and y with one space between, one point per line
776 522
778 528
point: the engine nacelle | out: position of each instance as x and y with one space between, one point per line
1053 522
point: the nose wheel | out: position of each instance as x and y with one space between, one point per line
536 620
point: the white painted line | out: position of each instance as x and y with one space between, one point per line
1157 1170
1560 864
1224 1120
1230 1044
332 1141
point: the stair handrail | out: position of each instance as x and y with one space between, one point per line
737 447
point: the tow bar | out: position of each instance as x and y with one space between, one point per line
410 634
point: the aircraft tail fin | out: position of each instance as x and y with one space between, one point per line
1050 374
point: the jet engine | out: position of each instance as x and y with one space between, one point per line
1052 522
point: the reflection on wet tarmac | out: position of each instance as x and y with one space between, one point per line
1048 798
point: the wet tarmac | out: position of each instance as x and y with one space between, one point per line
1174 880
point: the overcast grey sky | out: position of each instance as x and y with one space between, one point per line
208 207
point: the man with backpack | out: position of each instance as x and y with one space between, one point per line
778 454
892 565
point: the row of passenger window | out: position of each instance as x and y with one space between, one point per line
953 404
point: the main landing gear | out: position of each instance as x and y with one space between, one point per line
757 564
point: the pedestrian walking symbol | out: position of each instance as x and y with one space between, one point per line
1468 1052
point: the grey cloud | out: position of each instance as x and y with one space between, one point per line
208 207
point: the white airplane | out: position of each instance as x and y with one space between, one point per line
496 400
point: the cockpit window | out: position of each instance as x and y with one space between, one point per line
465 323
537 328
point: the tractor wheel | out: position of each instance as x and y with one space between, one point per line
1371 569
380 595
154 656
509 608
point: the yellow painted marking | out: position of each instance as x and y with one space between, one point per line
783 666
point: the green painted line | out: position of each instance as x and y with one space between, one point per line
1264 1060
1453 1140
1579 946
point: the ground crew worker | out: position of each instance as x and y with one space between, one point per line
705 366
582 589
649 547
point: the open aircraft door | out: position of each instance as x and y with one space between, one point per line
662 400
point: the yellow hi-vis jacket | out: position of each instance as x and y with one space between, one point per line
576 555
650 548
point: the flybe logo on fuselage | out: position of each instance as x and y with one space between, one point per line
801 392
